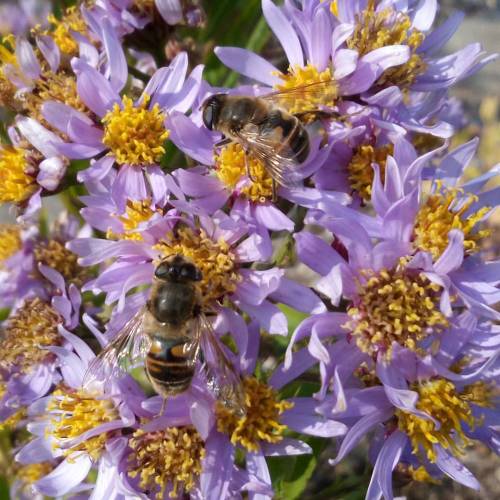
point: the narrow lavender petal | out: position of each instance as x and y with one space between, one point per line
345 63
27 59
388 457
257 285
268 316
453 255
45 141
454 469
320 39
425 13
301 361
118 71
438 38
287 447
170 10
38 450
248 64
50 51
68 474
309 246
298 296
314 425
358 431
454 163
81 131
51 172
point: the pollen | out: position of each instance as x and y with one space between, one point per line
375 30
56 256
16 182
439 399
135 134
7 56
169 460
32 328
231 169
419 474
360 171
213 258
306 99
395 305
10 241
12 422
446 210
71 21
481 394
334 8
76 412
261 421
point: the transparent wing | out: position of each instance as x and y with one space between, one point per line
278 162
222 378
128 348
305 97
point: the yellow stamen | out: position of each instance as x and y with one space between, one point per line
136 213
28 331
334 8
306 101
439 215
76 412
394 306
439 399
419 474
170 457
12 422
231 169
135 134
61 29
360 171
261 421
214 259
375 30
481 394
56 256
10 242
16 182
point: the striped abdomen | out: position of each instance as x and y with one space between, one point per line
169 367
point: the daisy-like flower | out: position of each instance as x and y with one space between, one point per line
119 130
422 421
36 327
79 427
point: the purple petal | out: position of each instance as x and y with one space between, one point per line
50 51
248 64
170 10
454 469
309 246
26 57
425 13
284 32
314 425
320 38
70 473
287 447
269 317
118 71
298 296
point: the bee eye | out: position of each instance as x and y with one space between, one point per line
162 271
208 116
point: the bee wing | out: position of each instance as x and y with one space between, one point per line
314 95
222 378
125 350
278 162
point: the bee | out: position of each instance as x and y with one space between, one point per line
170 334
266 130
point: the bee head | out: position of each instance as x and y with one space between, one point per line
211 110
178 270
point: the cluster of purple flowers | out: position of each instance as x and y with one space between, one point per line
379 248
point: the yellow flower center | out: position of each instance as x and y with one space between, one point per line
440 399
375 30
16 183
261 421
136 213
439 215
172 456
28 331
360 171
307 100
76 412
231 169
10 242
61 29
135 134
214 259
30 474
394 306
418 474
56 256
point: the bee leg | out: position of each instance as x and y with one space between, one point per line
247 166
163 406
223 142
275 192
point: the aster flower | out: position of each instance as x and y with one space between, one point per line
17 17
79 427
421 420
38 325
130 134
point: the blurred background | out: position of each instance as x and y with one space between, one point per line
239 23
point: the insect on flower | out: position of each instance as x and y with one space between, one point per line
271 128
170 333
